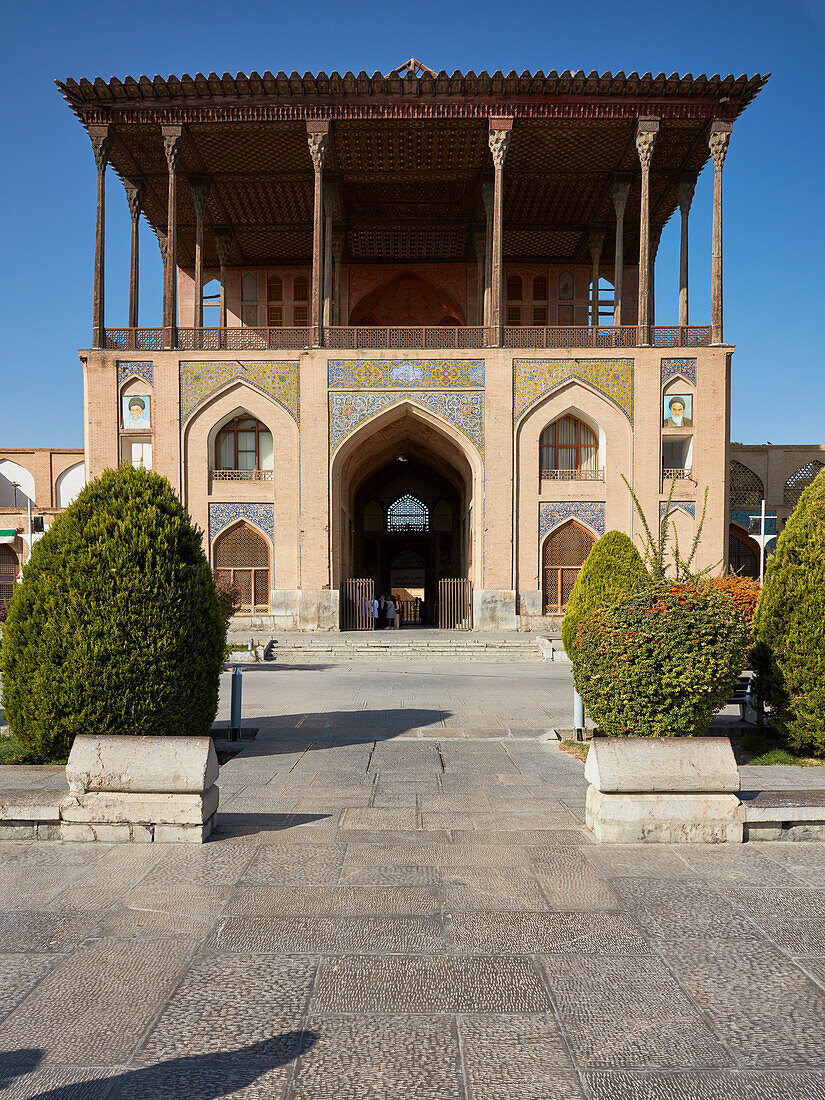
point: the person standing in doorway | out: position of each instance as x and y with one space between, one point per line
375 614
391 613
382 613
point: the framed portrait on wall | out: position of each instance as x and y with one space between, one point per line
677 411
565 286
136 410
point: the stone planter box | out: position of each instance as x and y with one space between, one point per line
140 789
663 790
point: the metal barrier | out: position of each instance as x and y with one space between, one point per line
356 596
455 604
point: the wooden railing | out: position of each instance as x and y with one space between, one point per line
571 475
676 473
352 338
243 475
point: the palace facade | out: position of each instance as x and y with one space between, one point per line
409 337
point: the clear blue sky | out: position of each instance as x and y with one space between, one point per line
774 173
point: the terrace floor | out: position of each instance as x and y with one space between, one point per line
400 902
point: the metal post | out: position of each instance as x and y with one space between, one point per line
578 715
235 705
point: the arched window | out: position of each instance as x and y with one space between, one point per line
9 568
746 488
743 553
300 301
801 479
515 303
540 300
242 559
244 447
212 304
564 554
408 513
275 301
569 450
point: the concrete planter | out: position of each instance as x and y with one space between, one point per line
663 790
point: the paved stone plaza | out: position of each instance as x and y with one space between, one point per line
400 902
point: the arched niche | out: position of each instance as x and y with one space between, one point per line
12 473
746 487
563 553
743 552
241 556
407 300
69 484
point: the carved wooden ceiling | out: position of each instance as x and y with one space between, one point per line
408 156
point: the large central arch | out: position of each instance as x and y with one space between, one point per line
406 451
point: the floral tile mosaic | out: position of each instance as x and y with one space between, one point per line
146 371
687 506
743 516
436 374
552 513
199 380
685 368
347 411
534 378
261 516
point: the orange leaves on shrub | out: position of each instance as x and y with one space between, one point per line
743 591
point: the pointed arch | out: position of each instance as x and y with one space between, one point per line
569 450
800 479
241 557
564 552
743 552
746 487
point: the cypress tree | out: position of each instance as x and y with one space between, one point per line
116 626
613 568
789 625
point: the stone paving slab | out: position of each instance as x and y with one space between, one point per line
400 901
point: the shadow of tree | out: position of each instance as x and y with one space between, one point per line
194 1077
289 733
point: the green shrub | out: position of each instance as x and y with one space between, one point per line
789 625
661 662
115 627
614 568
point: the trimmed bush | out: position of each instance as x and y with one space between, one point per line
115 627
789 625
613 568
661 662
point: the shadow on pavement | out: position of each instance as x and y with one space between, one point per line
196 1077
282 733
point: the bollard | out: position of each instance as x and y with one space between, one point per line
250 645
578 715
235 705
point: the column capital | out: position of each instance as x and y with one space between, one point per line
620 190
163 244
498 140
318 141
718 139
172 142
100 145
134 188
199 186
647 130
595 239
685 186
222 244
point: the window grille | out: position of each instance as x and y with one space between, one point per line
565 552
242 558
275 301
800 480
8 573
408 513
568 444
746 488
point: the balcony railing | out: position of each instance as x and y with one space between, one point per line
571 475
679 473
351 338
243 475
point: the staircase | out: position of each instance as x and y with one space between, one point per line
408 645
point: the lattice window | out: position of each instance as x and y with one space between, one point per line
300 300
540 300
746 488
515 303
743 559
568 445
565 552
408 513
242 558
8 571
244 444
801 479
275 301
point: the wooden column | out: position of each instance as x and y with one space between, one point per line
655 237
595 242
222 243
718 141
646 131
684 191
100 146
487 197
318 139
499 140
328 208
133 199
171 147
621 189
200 193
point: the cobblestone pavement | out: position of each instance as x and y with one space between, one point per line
400 902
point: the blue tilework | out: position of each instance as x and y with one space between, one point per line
552 513
686 368
534 378
744 516
261 516
347 411
199 380
146 371
425 374
686 506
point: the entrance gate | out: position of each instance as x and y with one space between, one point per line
357 595
455 604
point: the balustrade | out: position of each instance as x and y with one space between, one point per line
571 475
243 475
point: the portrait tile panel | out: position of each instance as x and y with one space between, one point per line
534 378
199 380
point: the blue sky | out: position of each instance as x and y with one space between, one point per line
774 229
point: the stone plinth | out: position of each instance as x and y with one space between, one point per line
140 789
663 790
